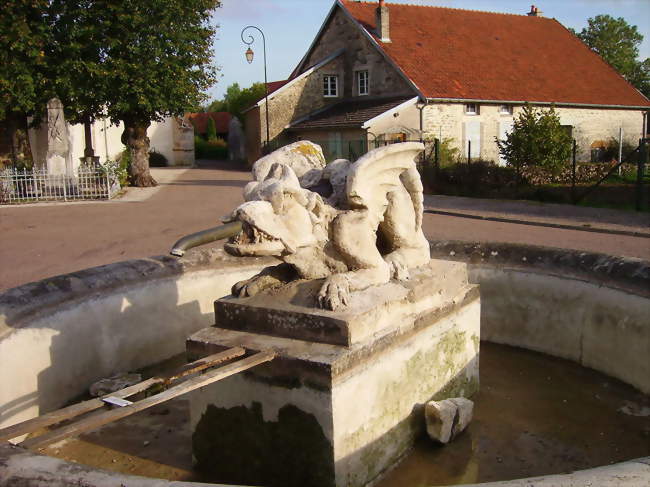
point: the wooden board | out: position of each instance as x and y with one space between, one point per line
94 421
34 424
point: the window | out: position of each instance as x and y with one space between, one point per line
362 82
505 109
471 109
330 85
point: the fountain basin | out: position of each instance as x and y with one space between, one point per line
60 334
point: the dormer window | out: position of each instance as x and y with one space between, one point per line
362 83
471 109
330 85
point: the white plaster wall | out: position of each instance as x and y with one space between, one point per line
107 141
161 136
600 327
447 120
69 345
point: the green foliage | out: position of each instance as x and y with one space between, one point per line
212 129
237 100
154 57
617 42
216 148
536 139
118 169
24 38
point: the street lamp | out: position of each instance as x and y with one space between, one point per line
249 58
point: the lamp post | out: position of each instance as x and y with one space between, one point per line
249 57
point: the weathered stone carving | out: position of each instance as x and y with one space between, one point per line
57 138
367 230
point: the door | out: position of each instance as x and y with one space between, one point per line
473 136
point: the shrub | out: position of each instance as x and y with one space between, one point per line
536 139
216 148
156 159
118 169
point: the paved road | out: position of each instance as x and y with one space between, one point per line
39 241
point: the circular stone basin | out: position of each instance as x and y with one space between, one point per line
61 334
534 415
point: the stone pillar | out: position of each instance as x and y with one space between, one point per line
236 143
58 147
183 137
343 400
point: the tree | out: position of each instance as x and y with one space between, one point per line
237 100
140 62
76 63
617 42
536 139
24 36
212 129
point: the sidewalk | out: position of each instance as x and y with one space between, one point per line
578 217
43 240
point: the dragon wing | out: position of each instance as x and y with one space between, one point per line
381 171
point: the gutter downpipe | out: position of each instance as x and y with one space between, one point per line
205 236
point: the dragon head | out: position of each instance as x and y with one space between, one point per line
278 217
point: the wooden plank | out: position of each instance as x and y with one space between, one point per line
31 425
94 421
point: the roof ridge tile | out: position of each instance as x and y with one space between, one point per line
446 8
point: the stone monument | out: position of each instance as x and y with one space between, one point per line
58 147
366 328
236 145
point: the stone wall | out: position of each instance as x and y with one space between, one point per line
360 54
298 99
448 120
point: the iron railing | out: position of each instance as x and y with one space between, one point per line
34 185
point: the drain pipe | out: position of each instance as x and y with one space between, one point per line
205 236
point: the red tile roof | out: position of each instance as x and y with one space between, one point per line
453 53
200 121
276 85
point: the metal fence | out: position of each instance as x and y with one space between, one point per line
34 185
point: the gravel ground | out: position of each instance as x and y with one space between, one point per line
43 240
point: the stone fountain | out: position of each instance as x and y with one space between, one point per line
365 326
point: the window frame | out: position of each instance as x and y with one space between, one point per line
509 109
367 82
327 86
477 109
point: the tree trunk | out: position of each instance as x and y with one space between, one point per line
135 139
14 147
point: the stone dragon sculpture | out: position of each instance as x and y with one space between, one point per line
352 224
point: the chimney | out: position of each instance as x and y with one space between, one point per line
534 12
382 22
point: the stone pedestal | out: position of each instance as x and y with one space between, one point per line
343 400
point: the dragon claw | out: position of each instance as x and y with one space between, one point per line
398 268
335 292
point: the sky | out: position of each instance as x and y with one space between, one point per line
290 26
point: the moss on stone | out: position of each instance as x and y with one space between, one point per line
306 150
236 445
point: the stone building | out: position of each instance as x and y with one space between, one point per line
380 72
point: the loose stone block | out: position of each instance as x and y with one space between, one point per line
446 419
344 399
